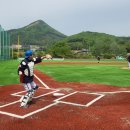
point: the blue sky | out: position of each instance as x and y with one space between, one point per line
69 16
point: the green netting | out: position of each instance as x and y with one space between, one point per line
4 44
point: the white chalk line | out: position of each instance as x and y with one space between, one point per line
86 105
93 101
65 96
70 103
11 114
46 94
16 94
39 110
22 95
46 86
29 114
115 92
53 91
9 104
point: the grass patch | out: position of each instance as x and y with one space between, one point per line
8 72
103 74
95 73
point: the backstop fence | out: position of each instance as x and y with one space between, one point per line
4 44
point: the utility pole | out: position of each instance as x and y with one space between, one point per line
18 45
12 52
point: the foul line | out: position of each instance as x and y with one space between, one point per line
115 92
47 87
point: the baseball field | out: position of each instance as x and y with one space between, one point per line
96 96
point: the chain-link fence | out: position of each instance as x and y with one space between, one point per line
4 44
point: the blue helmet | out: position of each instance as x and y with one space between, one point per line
28 53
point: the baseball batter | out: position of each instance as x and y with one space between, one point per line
26 73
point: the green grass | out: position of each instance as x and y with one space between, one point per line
103 74
8 72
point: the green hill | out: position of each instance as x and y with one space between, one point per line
94 43
85 39
36 33
95 37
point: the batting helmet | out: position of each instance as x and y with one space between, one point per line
28 53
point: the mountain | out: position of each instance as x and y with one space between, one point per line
98 44
36 33
92 38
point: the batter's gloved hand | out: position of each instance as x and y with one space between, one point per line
48 56
20 73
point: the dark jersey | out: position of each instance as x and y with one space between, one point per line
27 68
128 58
98 58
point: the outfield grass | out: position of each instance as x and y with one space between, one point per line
103 74
95 73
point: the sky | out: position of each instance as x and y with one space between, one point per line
69 16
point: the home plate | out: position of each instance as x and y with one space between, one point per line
58 94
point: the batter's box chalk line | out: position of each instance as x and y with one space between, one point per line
55 102
81 105
31 113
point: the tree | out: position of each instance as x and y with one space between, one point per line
60 49
128 46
